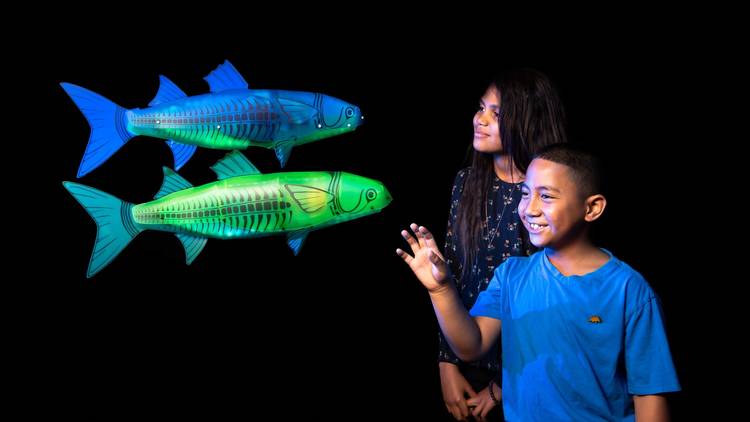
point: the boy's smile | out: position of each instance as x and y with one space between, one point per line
536 228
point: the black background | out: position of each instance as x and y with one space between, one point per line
344 327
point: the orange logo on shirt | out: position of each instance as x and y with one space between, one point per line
594 319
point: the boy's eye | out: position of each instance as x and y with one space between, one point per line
524 194
545 196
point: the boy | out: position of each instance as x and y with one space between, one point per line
582 332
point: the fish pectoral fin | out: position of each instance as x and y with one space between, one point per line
234 164
296 111
173 182
309 198
168 91
296 239
225 77
193 246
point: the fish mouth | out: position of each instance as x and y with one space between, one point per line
388 197
357 120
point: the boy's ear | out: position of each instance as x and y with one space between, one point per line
595 205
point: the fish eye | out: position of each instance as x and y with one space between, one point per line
371 194
349 112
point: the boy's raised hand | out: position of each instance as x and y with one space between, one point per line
427 263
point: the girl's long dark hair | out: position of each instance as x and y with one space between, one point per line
531 117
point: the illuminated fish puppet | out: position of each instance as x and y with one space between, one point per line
230 117
243 203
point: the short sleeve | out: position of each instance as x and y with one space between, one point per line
489 302
648 361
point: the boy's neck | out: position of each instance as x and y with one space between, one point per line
577 259
504 170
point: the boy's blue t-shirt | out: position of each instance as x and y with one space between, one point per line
576 348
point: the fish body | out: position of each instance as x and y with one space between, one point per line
231 116
243 203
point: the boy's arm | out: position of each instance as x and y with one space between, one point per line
651 408
468 337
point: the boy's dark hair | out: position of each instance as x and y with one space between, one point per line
585 168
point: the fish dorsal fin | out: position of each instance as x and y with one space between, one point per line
193 246
225 77
296 111
296 239
173 182
181 152
234 164
168 91
309 198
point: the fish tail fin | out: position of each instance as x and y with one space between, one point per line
109 126
115 226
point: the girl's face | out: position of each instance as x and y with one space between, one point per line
487 123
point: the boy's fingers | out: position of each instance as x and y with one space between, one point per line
405 256
417 234
410 240
430 240
434 258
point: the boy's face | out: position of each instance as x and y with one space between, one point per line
551 207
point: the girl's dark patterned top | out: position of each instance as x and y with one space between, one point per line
500 240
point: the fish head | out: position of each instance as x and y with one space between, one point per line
357 196
336 114
330 116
